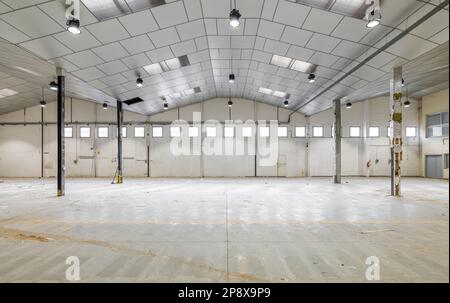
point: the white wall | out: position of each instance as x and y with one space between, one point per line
433 104
20 146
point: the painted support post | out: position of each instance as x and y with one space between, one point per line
397 129
119 175
337 140
60 133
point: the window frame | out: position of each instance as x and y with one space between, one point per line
350 131
378 131
304 129
208 135
318 127
197 131
172 135
266 128
117 132
98 132
411 127
283 127
157 127
225 131
71 132
138 127
81 132
245 128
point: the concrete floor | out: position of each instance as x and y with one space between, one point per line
219 230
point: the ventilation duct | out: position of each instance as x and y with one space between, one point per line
133 101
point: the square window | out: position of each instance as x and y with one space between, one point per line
282 131
410 132
157 132
390 133
68 132
247 132
139 132
374 131
211 132
264 131
102 132
124 132
175 131
355 131
193 131
85 132
317 131
229 131
300 131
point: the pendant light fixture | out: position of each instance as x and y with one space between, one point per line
42 103
235 16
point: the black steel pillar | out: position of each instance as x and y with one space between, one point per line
119 175
337 139
60 126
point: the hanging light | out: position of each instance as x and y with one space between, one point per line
286 103
230 103
139 82
42 103
403 82
348 105
53 85
231 79
235 18
105 105
166 106
312 78
374 17
73 26
407 103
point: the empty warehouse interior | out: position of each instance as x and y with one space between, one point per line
262 141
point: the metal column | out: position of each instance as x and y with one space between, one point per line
337 140
60 126
119 176
396 127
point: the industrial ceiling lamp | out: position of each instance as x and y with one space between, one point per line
407 103
139 82
230 103
166 106
286 103
42 102
235 17
53 85
73 26
105 105
373 14
348 105
312 78
231 79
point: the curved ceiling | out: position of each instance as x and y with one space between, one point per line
124 39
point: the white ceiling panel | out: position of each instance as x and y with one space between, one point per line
323 59
4 8
139 60
170 14
191 30
193 9
219 41
15 4
12 34
89 74
79 42
296 36
84 59
32 21
164 37
108 31
139 23
46 48
299 53
276 47
351 29
349 50
113 67
441 37
411 47
292 14
63 63
323 43
215 8
137 44
320 21
111 51
270 30
160 54
243 41
184 48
